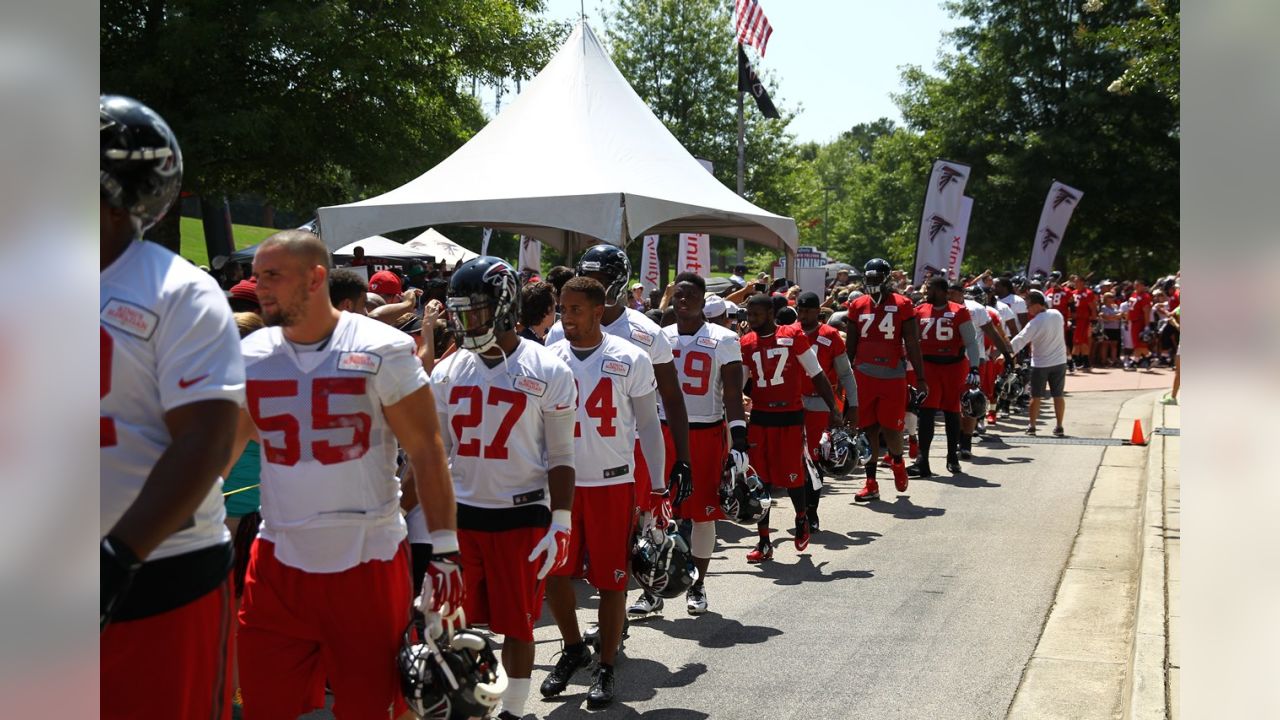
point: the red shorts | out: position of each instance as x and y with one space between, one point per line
815 423
173 665
708 447
299 629
601 535
1082 334
512 602
777 454
1135 332
643 488
988 372
946 385
881 401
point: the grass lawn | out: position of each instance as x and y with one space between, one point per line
193 247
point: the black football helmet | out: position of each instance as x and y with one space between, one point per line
462 680
914 398
663 564
729 478
139 162
973 404
875 274
750 498
837 455
484 299
612 262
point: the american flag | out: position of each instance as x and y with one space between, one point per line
753 27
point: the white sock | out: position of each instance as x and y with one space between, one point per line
909 420
515 696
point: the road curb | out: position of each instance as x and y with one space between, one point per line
1145 686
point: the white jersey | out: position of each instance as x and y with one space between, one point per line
977 315
168 339
1017 305
609 380
492 419
1006 314
699 358
634 327
330 498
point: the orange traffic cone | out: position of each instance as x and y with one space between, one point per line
1136 438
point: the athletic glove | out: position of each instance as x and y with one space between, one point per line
974 378
739 447
663 515
680 480
555 544
117 567
442 588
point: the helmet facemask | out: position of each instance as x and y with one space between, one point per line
471 319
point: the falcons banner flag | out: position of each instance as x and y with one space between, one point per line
959 238
1058 206
649 263
940 220
484 241
695 254
530 254
749 82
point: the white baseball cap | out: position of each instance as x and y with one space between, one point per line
714 306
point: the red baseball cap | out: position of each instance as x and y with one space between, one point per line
244 290
385 282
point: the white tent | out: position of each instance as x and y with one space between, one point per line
577 156
380 247
441 248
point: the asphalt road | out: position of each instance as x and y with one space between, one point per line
926 604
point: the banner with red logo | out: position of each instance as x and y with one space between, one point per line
1058 207
959 238
695 254
530 254
649 263
939 219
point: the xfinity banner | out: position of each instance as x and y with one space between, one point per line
695 253
940 219
649 263
959 238
530 254
1058 206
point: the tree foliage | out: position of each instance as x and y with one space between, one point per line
317 101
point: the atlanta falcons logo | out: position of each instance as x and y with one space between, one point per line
1062 196
1050 237
937 226
949 175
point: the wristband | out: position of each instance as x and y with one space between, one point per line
737 424
444 542
563 518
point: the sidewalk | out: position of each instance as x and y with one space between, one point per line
1102 652
1117 379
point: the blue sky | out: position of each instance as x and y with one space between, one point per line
837 61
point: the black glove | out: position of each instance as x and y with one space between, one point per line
681 482
738 434
118 566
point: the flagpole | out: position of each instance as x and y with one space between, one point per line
742 154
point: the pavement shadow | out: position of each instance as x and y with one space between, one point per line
802 570
903 509
638 680
710 630
832 540
963 480
988 460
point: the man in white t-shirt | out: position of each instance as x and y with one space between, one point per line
508 406
172 380
617 404
327 592
1048 359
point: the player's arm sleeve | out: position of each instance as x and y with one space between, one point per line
649 428
809 361
400 373
661 349
198 349
844 371
729 350
559 413
972 347
438 391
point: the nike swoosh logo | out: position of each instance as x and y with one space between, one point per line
562 407
184 383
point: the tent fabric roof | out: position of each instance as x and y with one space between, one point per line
577 156
440 247
381 247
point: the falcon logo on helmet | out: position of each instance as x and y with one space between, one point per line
612 262
743 498
836 453
484 299
462 680
662 563
140 163
973 403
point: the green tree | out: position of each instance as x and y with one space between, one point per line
319 101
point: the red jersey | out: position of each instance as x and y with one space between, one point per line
826 341
878 328
940 329
773 364
1059 298
1140 309
1086 306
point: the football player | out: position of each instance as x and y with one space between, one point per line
172 381
985 321
617 402
328 395
951 353
834 361
509 406
708 359
881 326
1061 297
777 357
609 266
1082 317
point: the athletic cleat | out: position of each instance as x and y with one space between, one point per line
899 476
813 521
886 459
913 447
869 492
953 466
919 469
1059 432
570 662
1031 430
991 417
763 552
696 598
601 693
802 533
645 605
966 455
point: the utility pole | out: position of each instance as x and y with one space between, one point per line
742 165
